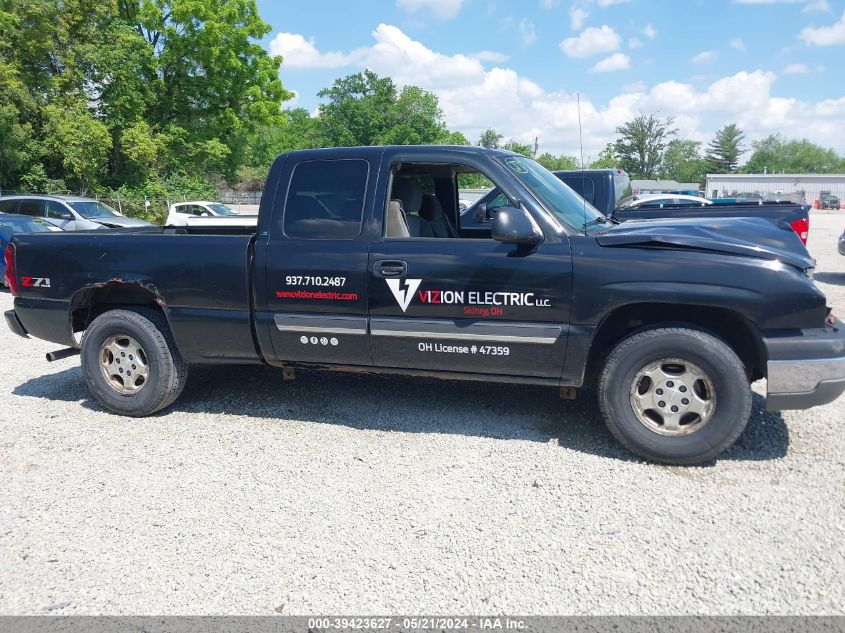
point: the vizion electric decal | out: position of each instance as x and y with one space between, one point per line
404 291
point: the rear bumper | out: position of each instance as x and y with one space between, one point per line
15 324
807 370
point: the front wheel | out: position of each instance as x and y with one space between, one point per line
675 395
130 362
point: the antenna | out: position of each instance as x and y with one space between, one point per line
581 146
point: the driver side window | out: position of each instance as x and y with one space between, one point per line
439 201
56 211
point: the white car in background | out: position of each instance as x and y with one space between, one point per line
659 199
203 212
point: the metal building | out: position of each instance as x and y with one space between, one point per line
804 188
664 186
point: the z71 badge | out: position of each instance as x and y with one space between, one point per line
35 282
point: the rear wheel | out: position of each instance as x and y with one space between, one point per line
675 395
130 362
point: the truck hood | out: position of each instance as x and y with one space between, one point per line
121 222
751 237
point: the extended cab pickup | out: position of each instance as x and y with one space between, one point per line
607 190
359 262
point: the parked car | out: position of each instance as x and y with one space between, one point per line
842 243
181 212
69 213
662 200
605 189
829 201
360 263
12 224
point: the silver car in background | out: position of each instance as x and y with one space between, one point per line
69 213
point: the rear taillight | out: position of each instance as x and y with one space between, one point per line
11 277
802 227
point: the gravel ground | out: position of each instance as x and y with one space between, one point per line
344 493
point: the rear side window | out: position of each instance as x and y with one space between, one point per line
8 206
584 187
326 199
34 208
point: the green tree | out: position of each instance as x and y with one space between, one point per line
520 148
358 110
607 158
79 142
725 149
188 75
682 161
365 109
776 154
490 138
551 162
641 143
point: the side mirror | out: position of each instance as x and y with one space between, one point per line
515 226
67 215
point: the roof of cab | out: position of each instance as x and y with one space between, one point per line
373 151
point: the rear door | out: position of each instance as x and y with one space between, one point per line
315 269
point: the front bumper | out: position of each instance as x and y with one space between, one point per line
15 324
806 370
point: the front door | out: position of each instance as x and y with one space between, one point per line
316 264
469 305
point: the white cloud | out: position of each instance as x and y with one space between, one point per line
809 5
822 6
301 53
649 31
592 41
527 31
440 9
489 56
577 16
738 44
634 42
521 109
704 57
796 69
617 61
825 35
610 3
549 4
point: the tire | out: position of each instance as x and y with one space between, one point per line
710 421
160 378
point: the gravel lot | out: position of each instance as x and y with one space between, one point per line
344 493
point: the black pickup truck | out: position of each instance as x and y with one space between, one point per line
359 262
607 190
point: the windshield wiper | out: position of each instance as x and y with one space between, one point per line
599 220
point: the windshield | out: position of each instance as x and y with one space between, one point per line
90 209
555 195
220 209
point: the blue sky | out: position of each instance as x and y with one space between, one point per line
772 66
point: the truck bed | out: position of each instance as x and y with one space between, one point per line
198 275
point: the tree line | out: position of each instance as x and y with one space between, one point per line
176 97
647 147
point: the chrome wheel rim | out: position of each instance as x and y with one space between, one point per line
123 364
673 397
